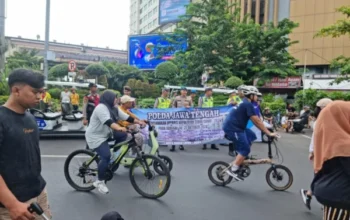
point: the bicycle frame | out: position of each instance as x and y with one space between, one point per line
124 149
257 161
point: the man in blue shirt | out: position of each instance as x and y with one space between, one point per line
235 129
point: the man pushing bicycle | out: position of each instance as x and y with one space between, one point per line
236 131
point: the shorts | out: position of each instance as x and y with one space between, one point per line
242 141
42 200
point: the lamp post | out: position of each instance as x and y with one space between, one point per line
47 36
2 35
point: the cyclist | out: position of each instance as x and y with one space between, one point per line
235 128
103 122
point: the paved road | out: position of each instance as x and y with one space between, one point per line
191 196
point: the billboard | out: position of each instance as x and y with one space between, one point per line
147 51
171 10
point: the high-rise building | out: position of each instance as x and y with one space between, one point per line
143 16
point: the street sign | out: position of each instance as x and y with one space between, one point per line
72 65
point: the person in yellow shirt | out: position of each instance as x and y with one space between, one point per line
45 99
74 98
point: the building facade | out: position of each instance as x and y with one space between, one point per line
63 53
143 16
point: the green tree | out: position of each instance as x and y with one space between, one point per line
97 70
24 59
217 39
341 27
58 71
233 82
119 74
167 72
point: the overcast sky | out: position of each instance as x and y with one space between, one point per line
95 23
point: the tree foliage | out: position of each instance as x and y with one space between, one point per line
233 82
167 72
119 74
58 71
143 89
311 96
96 70
341 27
24 59
217 39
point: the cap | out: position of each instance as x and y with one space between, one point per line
193 91
183 88
92 85
165 90
126 98
112 216
323 102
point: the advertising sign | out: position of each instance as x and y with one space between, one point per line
193 126
171 10
282 83
144 50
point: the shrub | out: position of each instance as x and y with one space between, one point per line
275 105
3 99
146 103
233 82
55 93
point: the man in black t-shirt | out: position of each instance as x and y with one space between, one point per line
21 182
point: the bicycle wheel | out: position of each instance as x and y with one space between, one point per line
167 161
221 181
85 174
275 172
161 181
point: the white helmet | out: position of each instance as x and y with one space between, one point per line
249 90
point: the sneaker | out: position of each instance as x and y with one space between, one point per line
101 186
234 174
306 198
181 147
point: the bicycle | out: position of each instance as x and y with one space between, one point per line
142 160
275 171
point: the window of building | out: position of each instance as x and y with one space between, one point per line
154 1
149 14
150 3
149 25
141 9
141 21
154 22
155 10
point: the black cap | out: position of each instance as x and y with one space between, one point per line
92 85
112 216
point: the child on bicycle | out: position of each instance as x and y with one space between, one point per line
235 128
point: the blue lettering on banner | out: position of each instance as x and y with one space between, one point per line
192 126
41 123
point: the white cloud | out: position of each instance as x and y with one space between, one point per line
95 23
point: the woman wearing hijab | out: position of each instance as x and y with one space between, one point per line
331 185
321 104
103 123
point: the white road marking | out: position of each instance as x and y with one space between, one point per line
305 136
62 156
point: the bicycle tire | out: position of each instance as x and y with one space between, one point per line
167 161
165 172
290 178
66 169
212 179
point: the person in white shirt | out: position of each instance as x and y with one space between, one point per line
65 96
321 104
